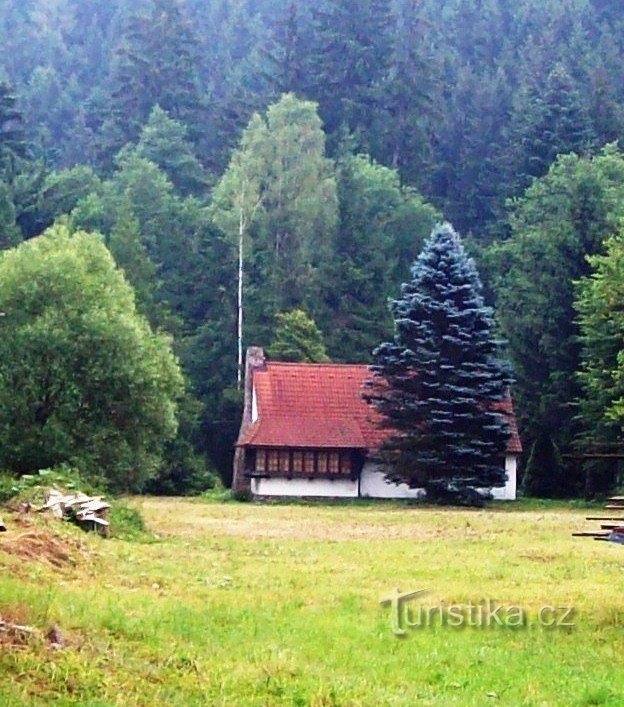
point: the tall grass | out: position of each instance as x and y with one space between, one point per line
248 604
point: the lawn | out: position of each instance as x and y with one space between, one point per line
249 604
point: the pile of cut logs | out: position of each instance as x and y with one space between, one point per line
90 512
612 525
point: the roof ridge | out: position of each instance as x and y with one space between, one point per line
320 364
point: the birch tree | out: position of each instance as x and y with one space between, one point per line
237 200
278 200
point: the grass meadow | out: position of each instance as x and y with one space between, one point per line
226 603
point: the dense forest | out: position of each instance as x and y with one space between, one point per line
313 146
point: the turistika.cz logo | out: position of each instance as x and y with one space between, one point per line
408 615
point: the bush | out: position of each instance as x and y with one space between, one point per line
31 487
242 496
126 523
83 378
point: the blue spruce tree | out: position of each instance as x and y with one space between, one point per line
439 383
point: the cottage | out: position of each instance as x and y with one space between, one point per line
307 431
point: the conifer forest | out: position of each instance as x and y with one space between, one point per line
202 169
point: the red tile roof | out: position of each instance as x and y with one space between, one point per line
321 405
514 445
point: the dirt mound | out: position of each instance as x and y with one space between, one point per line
44 546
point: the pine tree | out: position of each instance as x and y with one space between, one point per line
408 96
286 53
382 227
9 231
11 131
554 121
297 339
438 382
349 63
155 64
164 142
543 476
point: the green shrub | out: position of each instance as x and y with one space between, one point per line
126 523
242 496
31 487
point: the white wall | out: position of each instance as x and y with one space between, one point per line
508 492
374 485
338 488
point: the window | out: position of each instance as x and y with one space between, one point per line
273 460
284 461
299 461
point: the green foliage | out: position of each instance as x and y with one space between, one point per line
277 203
31 487
349 60
544 476
163 141
555 122
279 192
126 523
125 113
155 64
562 218
12 139
182 269
9 232
83 379
600 307
58 194
409 90
381 229
184 470
286 52
297 338
220 427
437 382
126 246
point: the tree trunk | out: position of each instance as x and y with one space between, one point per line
241 233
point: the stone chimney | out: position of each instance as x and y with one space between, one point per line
254 361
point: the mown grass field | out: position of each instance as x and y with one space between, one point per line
245 604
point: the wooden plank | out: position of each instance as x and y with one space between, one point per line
611 507
590 535
620 519
609 526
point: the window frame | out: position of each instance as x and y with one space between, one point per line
306 462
